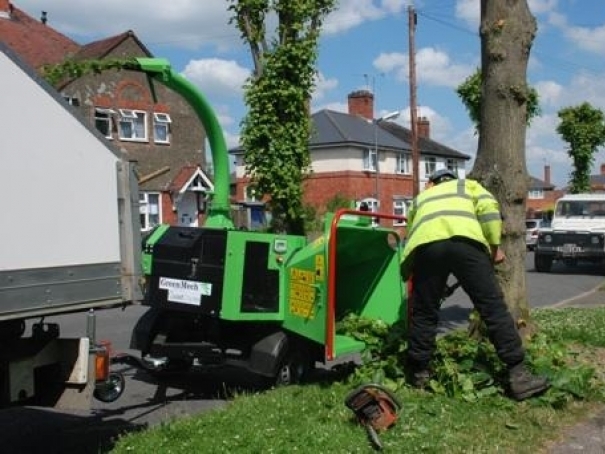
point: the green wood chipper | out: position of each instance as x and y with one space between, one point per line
268 303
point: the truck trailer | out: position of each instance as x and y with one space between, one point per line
70 242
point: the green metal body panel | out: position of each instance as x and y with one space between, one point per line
282 248
305 295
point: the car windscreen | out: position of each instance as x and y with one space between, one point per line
531 224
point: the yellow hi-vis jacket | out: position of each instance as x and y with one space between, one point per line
461 208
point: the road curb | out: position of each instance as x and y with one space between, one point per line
573 299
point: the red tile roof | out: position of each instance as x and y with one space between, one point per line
99 49
35 43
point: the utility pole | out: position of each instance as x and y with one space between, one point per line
413 110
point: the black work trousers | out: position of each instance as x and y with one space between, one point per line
469 262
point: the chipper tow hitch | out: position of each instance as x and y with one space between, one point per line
376 409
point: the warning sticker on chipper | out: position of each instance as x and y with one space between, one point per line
183 291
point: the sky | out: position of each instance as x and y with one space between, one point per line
365 45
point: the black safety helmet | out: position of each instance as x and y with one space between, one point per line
442 175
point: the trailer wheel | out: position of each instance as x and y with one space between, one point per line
542 263
294 368
112 389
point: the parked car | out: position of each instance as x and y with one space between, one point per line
531 231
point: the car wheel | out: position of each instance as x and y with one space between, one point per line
542 263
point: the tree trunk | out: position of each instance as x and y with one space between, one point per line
507 32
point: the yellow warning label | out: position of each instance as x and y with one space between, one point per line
302 293
302 276
320 273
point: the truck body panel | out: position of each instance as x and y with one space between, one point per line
70 238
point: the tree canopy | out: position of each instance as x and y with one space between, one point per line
583 128
276 129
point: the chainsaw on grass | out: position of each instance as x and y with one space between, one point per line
376 409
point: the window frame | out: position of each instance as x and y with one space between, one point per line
431 162
370 160
404 212
165 122
452 164
145 213
407 168
108 118
130 116
535 194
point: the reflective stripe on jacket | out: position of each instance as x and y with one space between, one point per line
460 208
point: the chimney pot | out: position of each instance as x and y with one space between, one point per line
602 169
44 17
423 127
547 175
6 9
361 102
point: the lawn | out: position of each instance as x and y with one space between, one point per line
313 418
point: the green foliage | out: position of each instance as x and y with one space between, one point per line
276 129
338 201
73 69
583 128
313 417
469 92
465 368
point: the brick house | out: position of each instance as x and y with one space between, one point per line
597 182
541 196
364 159
158 128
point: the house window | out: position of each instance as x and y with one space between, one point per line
430 165
72 100
371 203
369 160
103 121
400 208
535 194
149 210
161 127
452 164
133 125
403 164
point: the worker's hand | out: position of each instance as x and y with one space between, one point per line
498 255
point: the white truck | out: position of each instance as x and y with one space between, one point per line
577 232
69 241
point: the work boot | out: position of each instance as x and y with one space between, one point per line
417 373
420 379
524 384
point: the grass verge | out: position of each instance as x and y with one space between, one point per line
313 418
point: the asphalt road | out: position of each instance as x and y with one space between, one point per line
148 401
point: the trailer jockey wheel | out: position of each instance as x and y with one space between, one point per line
376 409
110 390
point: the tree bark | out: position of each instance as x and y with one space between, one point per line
507 32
